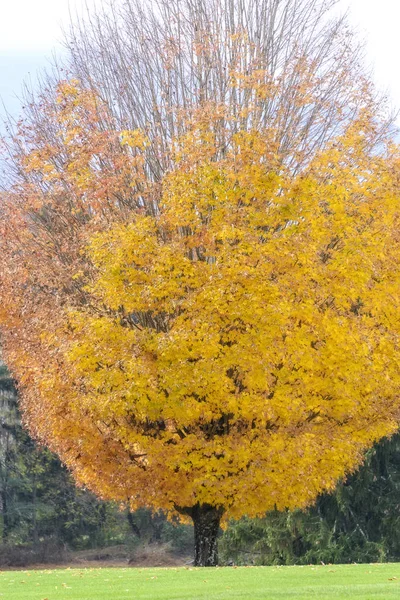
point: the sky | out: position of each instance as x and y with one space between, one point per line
31 30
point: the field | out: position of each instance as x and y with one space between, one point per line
333 582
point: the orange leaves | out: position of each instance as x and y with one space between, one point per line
95 166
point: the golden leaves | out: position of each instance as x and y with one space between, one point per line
220 336
133 138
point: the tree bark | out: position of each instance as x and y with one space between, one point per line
206 520
35 534
6 523
132 524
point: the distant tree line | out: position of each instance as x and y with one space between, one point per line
43 514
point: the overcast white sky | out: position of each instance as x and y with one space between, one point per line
31 29
35 24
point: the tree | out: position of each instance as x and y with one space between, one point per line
202 320
150 59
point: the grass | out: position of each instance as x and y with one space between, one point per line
333 582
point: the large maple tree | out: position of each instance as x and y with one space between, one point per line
218 341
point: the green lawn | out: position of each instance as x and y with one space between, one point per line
248 583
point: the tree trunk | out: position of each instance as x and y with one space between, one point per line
6 523
206 520
132 524
35 534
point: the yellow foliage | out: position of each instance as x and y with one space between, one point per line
238 344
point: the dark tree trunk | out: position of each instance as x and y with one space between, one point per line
132 524
206 520
157 524
35 534
6 521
